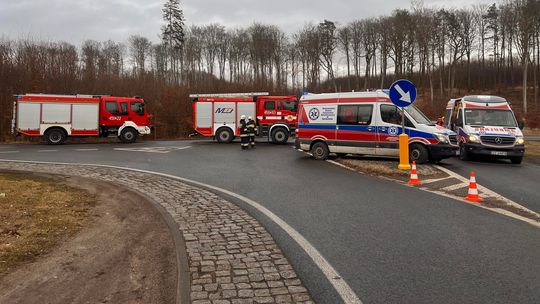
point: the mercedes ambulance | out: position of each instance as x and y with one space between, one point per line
368 123
486 126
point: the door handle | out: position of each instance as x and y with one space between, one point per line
370 128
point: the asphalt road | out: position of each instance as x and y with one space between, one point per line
390 243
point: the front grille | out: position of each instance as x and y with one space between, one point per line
498 140
453 139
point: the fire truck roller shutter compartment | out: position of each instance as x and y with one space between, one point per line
85 117
56 113
204 114
224 115
28 116
246 108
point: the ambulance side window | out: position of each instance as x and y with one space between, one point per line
355 115
112 107
390 114
269 105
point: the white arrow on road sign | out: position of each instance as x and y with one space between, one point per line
406 97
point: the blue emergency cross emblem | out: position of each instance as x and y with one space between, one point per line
393 130
314 113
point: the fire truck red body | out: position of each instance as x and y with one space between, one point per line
55 117
218 115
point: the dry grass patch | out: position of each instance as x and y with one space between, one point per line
388 168
529 131
532 148
35 215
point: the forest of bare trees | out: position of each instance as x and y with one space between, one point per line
489 49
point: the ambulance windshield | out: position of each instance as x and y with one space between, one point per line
418 116
490 117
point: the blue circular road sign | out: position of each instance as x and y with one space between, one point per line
402 93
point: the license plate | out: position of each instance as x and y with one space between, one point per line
499 153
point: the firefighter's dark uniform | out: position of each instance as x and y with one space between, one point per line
252 128
244 136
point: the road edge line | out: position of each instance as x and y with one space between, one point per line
343 289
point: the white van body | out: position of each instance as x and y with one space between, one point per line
487 126
368 123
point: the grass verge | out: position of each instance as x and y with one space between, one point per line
36 214
388 168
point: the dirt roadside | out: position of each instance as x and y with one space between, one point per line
125 254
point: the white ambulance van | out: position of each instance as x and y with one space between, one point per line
486 126
368 123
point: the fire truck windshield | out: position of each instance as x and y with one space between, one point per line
137 107
290 106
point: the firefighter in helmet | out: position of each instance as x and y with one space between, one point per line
252 129
244 135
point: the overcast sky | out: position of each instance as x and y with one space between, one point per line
78 20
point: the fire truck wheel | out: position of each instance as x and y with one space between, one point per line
320 151
128 135
419 153
280 136
55 136
224 135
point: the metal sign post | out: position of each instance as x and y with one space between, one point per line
403 94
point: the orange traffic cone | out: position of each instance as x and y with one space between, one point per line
414 175
473 196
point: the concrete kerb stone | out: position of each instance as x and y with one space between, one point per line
231 256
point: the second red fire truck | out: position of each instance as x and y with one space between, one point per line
218 115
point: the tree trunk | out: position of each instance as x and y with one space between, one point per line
525 67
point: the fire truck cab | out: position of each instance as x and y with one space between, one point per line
218 115
55 117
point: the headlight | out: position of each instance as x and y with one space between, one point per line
520 140
442 138
474 138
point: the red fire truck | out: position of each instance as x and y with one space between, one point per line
55 117
218 115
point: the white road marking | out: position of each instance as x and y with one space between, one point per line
162 150
83 150
455 187
41 151
347 295
461 199
7 152
489 192
430 181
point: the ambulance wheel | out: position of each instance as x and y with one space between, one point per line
128 135
224 135
516 160
320 151
463 153
280 136
55 136
419 153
